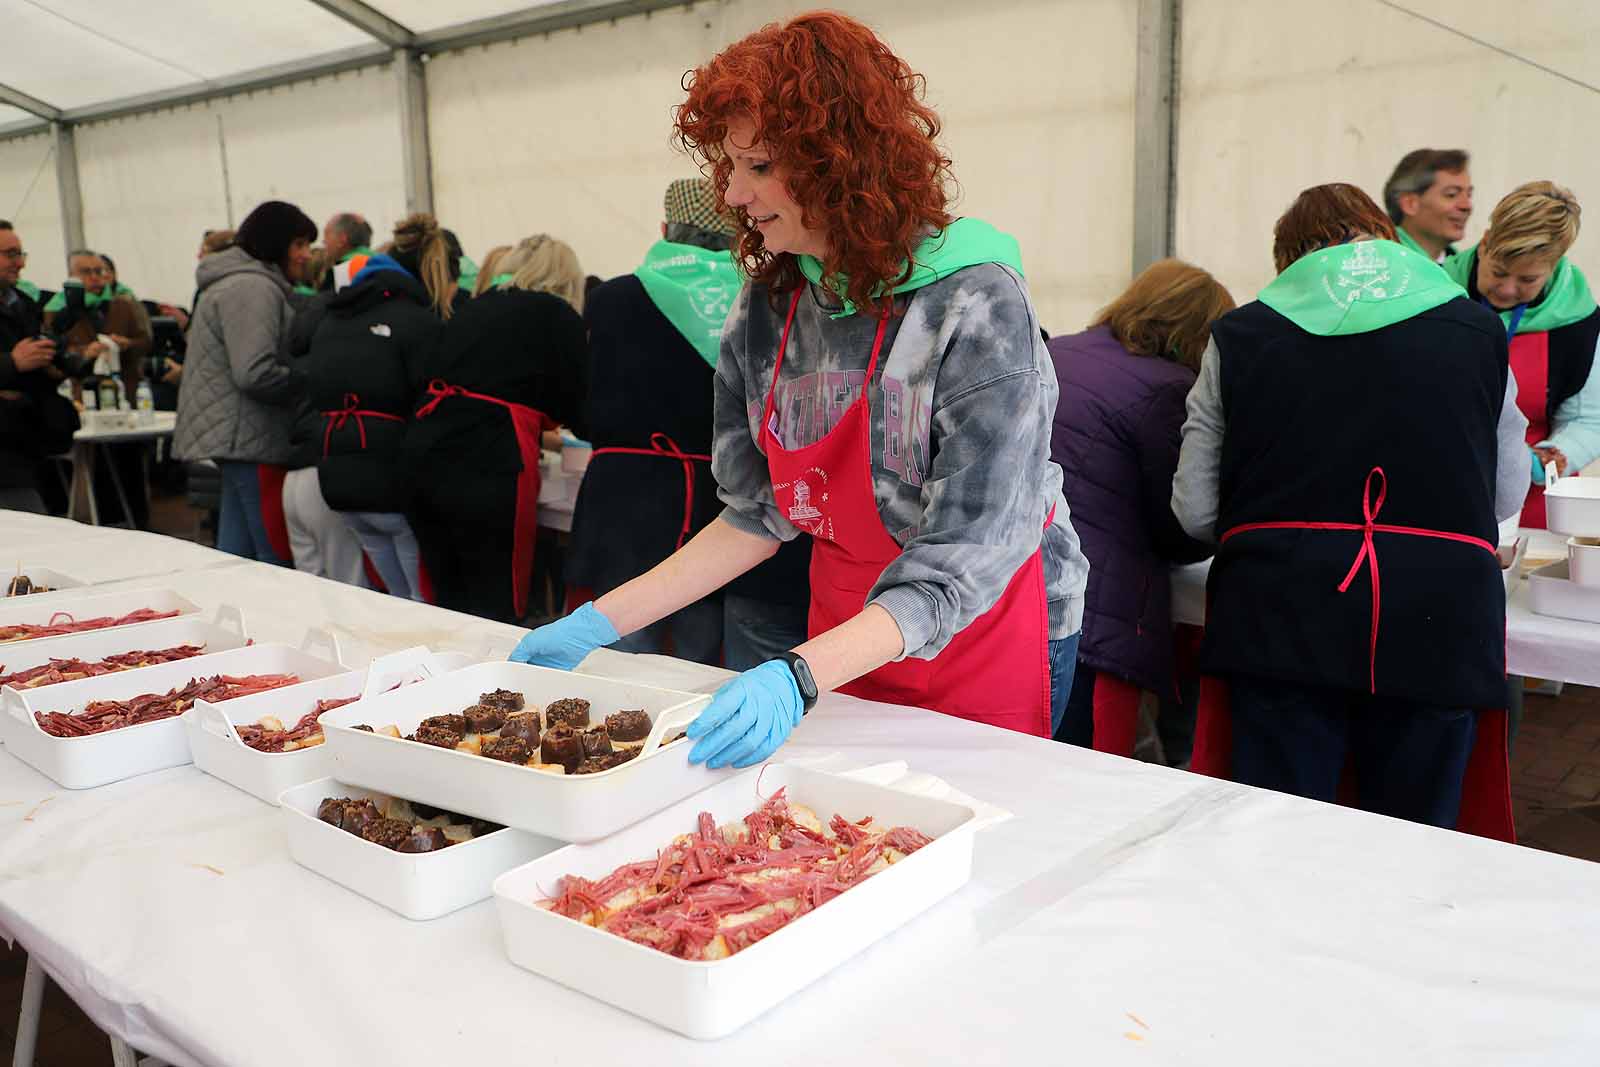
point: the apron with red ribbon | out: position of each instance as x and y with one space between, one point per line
352 411
664 447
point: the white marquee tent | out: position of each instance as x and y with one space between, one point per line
1102 132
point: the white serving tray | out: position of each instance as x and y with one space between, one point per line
711 1000
87 605
55 580
1572 507
225 631
86 762
1552 592
568 808
218 751
418 886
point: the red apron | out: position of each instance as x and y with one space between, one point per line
1486 784
528 425
1530 362
352 409
996 670
667 448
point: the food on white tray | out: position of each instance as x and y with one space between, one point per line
98 716
720 889
401 825
556 739
268 734
22 585
62 622
68 670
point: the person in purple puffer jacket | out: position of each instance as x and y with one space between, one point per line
1116 436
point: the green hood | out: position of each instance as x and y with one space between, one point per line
93 300
1566 298
469 273
1358 287
964 243
28 289
358 250
694 288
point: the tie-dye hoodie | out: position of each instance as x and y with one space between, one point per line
962 403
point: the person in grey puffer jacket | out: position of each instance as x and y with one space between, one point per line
236 402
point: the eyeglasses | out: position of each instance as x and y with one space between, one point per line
13 253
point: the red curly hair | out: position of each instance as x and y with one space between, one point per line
844 122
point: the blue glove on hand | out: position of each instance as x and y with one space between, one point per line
748 718
564 643
1538 468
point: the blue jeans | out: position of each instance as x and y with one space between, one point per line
387 539
754 631
695 632
1063 665
241 529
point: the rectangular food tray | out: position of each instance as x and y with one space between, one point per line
218 751
568 808
86 762
1551 591
53 580
420 887
87 605
1572 507
707 1000
226 631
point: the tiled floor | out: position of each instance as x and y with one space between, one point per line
1555 784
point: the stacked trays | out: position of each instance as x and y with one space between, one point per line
1571 588
226 631
97 759
708 1000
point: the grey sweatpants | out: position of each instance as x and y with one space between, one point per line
321 542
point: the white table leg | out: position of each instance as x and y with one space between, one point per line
122 1055
33 981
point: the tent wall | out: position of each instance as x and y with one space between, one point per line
152 184
569 133
1278 95
30 200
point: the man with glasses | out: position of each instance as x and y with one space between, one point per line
34 421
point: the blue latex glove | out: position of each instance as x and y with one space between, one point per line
564 643
748 718
1538 468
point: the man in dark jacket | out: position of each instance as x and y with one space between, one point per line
34 421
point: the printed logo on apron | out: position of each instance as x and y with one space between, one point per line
804 512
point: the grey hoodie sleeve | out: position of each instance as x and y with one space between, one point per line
1515 460
251 323
1196 485
739 466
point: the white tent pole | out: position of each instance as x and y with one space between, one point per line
412 85
67 186
369 20
1155 106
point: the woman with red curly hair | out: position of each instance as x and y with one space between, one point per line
883 386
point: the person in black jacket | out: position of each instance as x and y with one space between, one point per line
511 363
364 374
34 421
653 342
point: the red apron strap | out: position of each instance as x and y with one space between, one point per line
352 410
664 446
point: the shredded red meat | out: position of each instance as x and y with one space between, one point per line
25 631
718 890
262 739
68 670
98 716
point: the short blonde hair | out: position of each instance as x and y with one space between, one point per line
543 264
490 268
1537 220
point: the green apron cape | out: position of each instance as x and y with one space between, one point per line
1566 298
964 243
500 279
92 300
1358 287
28 289
1405 238
469 273
694 288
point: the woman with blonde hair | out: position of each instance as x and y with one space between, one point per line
1520 270
512 364
491 264
1118 427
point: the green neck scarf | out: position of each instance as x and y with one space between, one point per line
1358 287
694 288
964 243
500 279
1566 298
90 300
359 250
469 273
28 289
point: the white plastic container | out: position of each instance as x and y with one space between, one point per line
225 632
1572 507
53 580
218 751
40 610
1583 561
418 886
568 808
86 762
711 1000
1552 592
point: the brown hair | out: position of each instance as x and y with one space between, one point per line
217 241
1326 215
420 246
1416 172
1538 219
1167 311
490 267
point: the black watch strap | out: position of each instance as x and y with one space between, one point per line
802 678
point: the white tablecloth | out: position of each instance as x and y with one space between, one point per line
1128 911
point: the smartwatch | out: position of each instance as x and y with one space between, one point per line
802 678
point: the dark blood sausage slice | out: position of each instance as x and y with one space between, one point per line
596 742
479 827
504 699
572 711
525 726
507 749
631 725
592 765
387 832
422 839
484 718
331 810
363 727
438 736
456 723
358 815
562 745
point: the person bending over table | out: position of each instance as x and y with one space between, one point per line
1358 417
882 386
